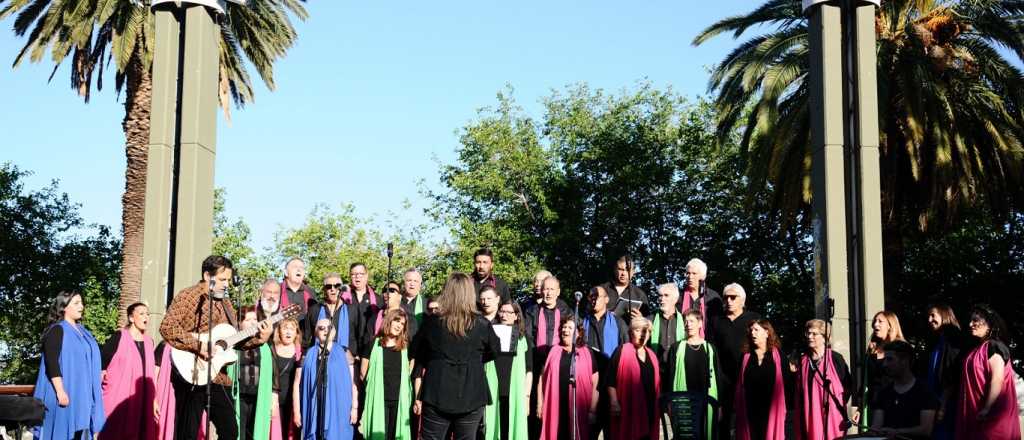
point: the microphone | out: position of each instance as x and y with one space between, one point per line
391 249
578 295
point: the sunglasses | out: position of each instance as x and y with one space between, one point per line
336 286
391 290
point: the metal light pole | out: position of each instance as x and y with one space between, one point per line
845 169
178 229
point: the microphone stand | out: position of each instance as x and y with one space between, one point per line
321 389
826 382
391 252
209 355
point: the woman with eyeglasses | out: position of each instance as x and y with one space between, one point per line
694 365
988 396
386 370
885 329
941 372
634 384
452 348
816 367
68 383
329 397
334 309
509 378
555 405
760 402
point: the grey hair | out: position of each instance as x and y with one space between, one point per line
699 265
268 281
670 288
734 287
330 275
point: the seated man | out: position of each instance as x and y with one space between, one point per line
904 408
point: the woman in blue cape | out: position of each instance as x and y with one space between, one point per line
68 383
328 392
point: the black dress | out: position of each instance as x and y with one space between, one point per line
284 378
758 386
564 413
646 378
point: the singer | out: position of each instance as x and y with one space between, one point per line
821 382
188 313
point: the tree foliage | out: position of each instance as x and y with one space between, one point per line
46 247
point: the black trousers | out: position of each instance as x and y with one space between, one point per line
463 426
390 418
191 404
246 415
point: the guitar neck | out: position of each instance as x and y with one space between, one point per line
251 331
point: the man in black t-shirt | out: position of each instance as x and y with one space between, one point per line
905 407
483 274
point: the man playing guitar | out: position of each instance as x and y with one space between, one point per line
187 316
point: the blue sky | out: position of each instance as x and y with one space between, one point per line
369 99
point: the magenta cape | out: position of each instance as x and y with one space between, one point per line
809 403
542 328
777 412
687 304
1002 421
636 421
165 397
129 390
584 392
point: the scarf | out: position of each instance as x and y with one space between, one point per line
337 402
341 331
350 297
636 421
1002 422
809 403
687 304
584 392
373 422
129 389
542 327
656 332
776 414
517 398
80 369
679 384
417 309
165 396
609 333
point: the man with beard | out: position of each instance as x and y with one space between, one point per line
483 274
626 299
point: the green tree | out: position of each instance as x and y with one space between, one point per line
46 247
600 175
233 239
950 111
94 32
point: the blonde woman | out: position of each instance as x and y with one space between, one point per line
885 328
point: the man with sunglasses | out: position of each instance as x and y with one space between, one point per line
332 308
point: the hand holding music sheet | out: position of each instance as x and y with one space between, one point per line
504 333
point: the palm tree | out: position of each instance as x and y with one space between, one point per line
95 32
951 107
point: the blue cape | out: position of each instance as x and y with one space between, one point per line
337 402
80 370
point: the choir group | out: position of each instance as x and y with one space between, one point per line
473 363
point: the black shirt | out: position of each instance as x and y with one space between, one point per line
728 337
53 341
646 375
499 284
533 320
284 377
564 424
392 364
249 371
503 364
618 304
595 336
370 334
109 348
758 386
667 334
360 311
904 410
698 372
313 315
454 379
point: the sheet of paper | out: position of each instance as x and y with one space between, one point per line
504 333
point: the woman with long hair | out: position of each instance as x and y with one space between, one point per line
816 367
988 398
885 328
329 393
509 378
392 296
386 369
555 405
634 384
68 382
760 401
941 371
694 365
452 347
287 370
129 385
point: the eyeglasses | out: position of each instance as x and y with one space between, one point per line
391 290
814 334
336 286
507 312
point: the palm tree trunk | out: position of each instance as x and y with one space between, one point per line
139 88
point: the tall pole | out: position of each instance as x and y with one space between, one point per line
178 229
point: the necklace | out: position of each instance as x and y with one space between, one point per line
695 347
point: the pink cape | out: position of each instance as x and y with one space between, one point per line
809 403
165 397
776 414
542 327
584 392
1002 421
129 390
687 304
306 295
630 389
